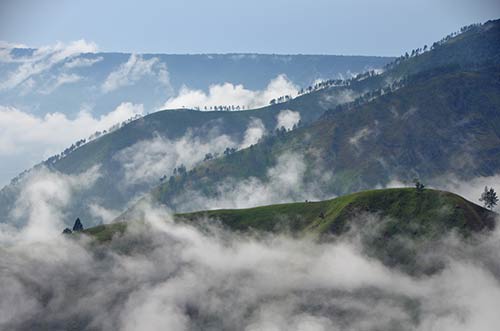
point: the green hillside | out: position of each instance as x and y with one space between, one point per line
173 124
392 223
444 122
467 49
427 214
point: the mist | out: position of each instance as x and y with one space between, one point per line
166 275
162 274
286 181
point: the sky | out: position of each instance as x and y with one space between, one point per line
347 27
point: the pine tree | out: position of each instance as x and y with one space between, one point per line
78 225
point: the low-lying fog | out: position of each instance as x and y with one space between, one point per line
166 276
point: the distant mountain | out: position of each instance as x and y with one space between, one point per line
67 82
441 123
378 127
159 135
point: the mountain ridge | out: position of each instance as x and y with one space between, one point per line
387 138
311 106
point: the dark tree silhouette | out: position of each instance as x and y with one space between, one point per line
78 225
418 185
489 198
229 151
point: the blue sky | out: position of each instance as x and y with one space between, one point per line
364 27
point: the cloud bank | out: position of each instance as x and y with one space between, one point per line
166 275
229 94
21 132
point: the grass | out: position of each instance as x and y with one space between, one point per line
405 212
106 232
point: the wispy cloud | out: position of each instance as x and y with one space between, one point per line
82 62
59 81
287 119
283 182
134 70
6 49
148 160
43 196
254 132
42 60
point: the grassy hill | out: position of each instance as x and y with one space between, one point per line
393 224
427 213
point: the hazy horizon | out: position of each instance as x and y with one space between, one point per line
361 27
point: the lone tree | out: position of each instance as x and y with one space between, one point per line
78 225
489 198
418 185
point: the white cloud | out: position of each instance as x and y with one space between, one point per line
284 182
6 49
34 138
254 132
60 80
82 62
105 215
229 94
287 119
43 195
360 135
10 46
178 277
134 70
43 59
335 97
146 161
